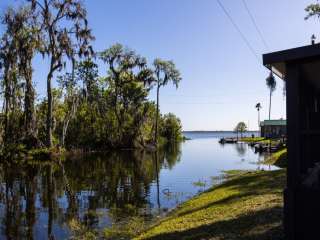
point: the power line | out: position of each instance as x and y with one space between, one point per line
255 24
204 103
239 31
246 93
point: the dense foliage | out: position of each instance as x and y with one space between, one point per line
87 110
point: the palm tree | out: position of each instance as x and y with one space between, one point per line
165 71
258 107
271 83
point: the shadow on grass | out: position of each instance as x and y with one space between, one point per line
259 225
258 183
251 185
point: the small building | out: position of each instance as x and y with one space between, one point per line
300 69
273 128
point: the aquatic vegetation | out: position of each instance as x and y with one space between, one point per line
199 183
80 231
172 195
126 229
215 180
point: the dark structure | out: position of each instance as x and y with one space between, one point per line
273 128
300 68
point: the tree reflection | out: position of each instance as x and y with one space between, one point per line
156 160
172 154
241 149
78 188
13 211
31 191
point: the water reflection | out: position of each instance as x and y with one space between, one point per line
41 200
38 200
241 148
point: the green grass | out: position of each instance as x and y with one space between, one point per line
250 139
278 158
247 206
260 140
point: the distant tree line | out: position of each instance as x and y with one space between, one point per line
86 110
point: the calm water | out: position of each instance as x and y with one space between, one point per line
38 200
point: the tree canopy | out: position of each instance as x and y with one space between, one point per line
241 128
87 110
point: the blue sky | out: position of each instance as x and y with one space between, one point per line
222 80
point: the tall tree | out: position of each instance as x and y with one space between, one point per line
236 130
87 72
71 97
25 34
241 127
129 80
8 57
271 84
171 127
65 35
11 82
165 72
258 107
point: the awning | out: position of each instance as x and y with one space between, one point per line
307 56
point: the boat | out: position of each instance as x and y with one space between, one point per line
228 140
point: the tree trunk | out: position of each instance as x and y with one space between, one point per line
6 110
49 113
270 105
67 119
157 117
64 131
259 121
118 116
30 120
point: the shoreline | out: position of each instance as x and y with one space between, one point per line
160 227
228 201
54 153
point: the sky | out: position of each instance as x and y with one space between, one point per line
222 79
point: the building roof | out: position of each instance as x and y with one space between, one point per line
279 122
276 61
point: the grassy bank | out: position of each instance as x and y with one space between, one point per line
278 158
247 206
252 139
261 140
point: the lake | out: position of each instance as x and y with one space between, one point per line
38 200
